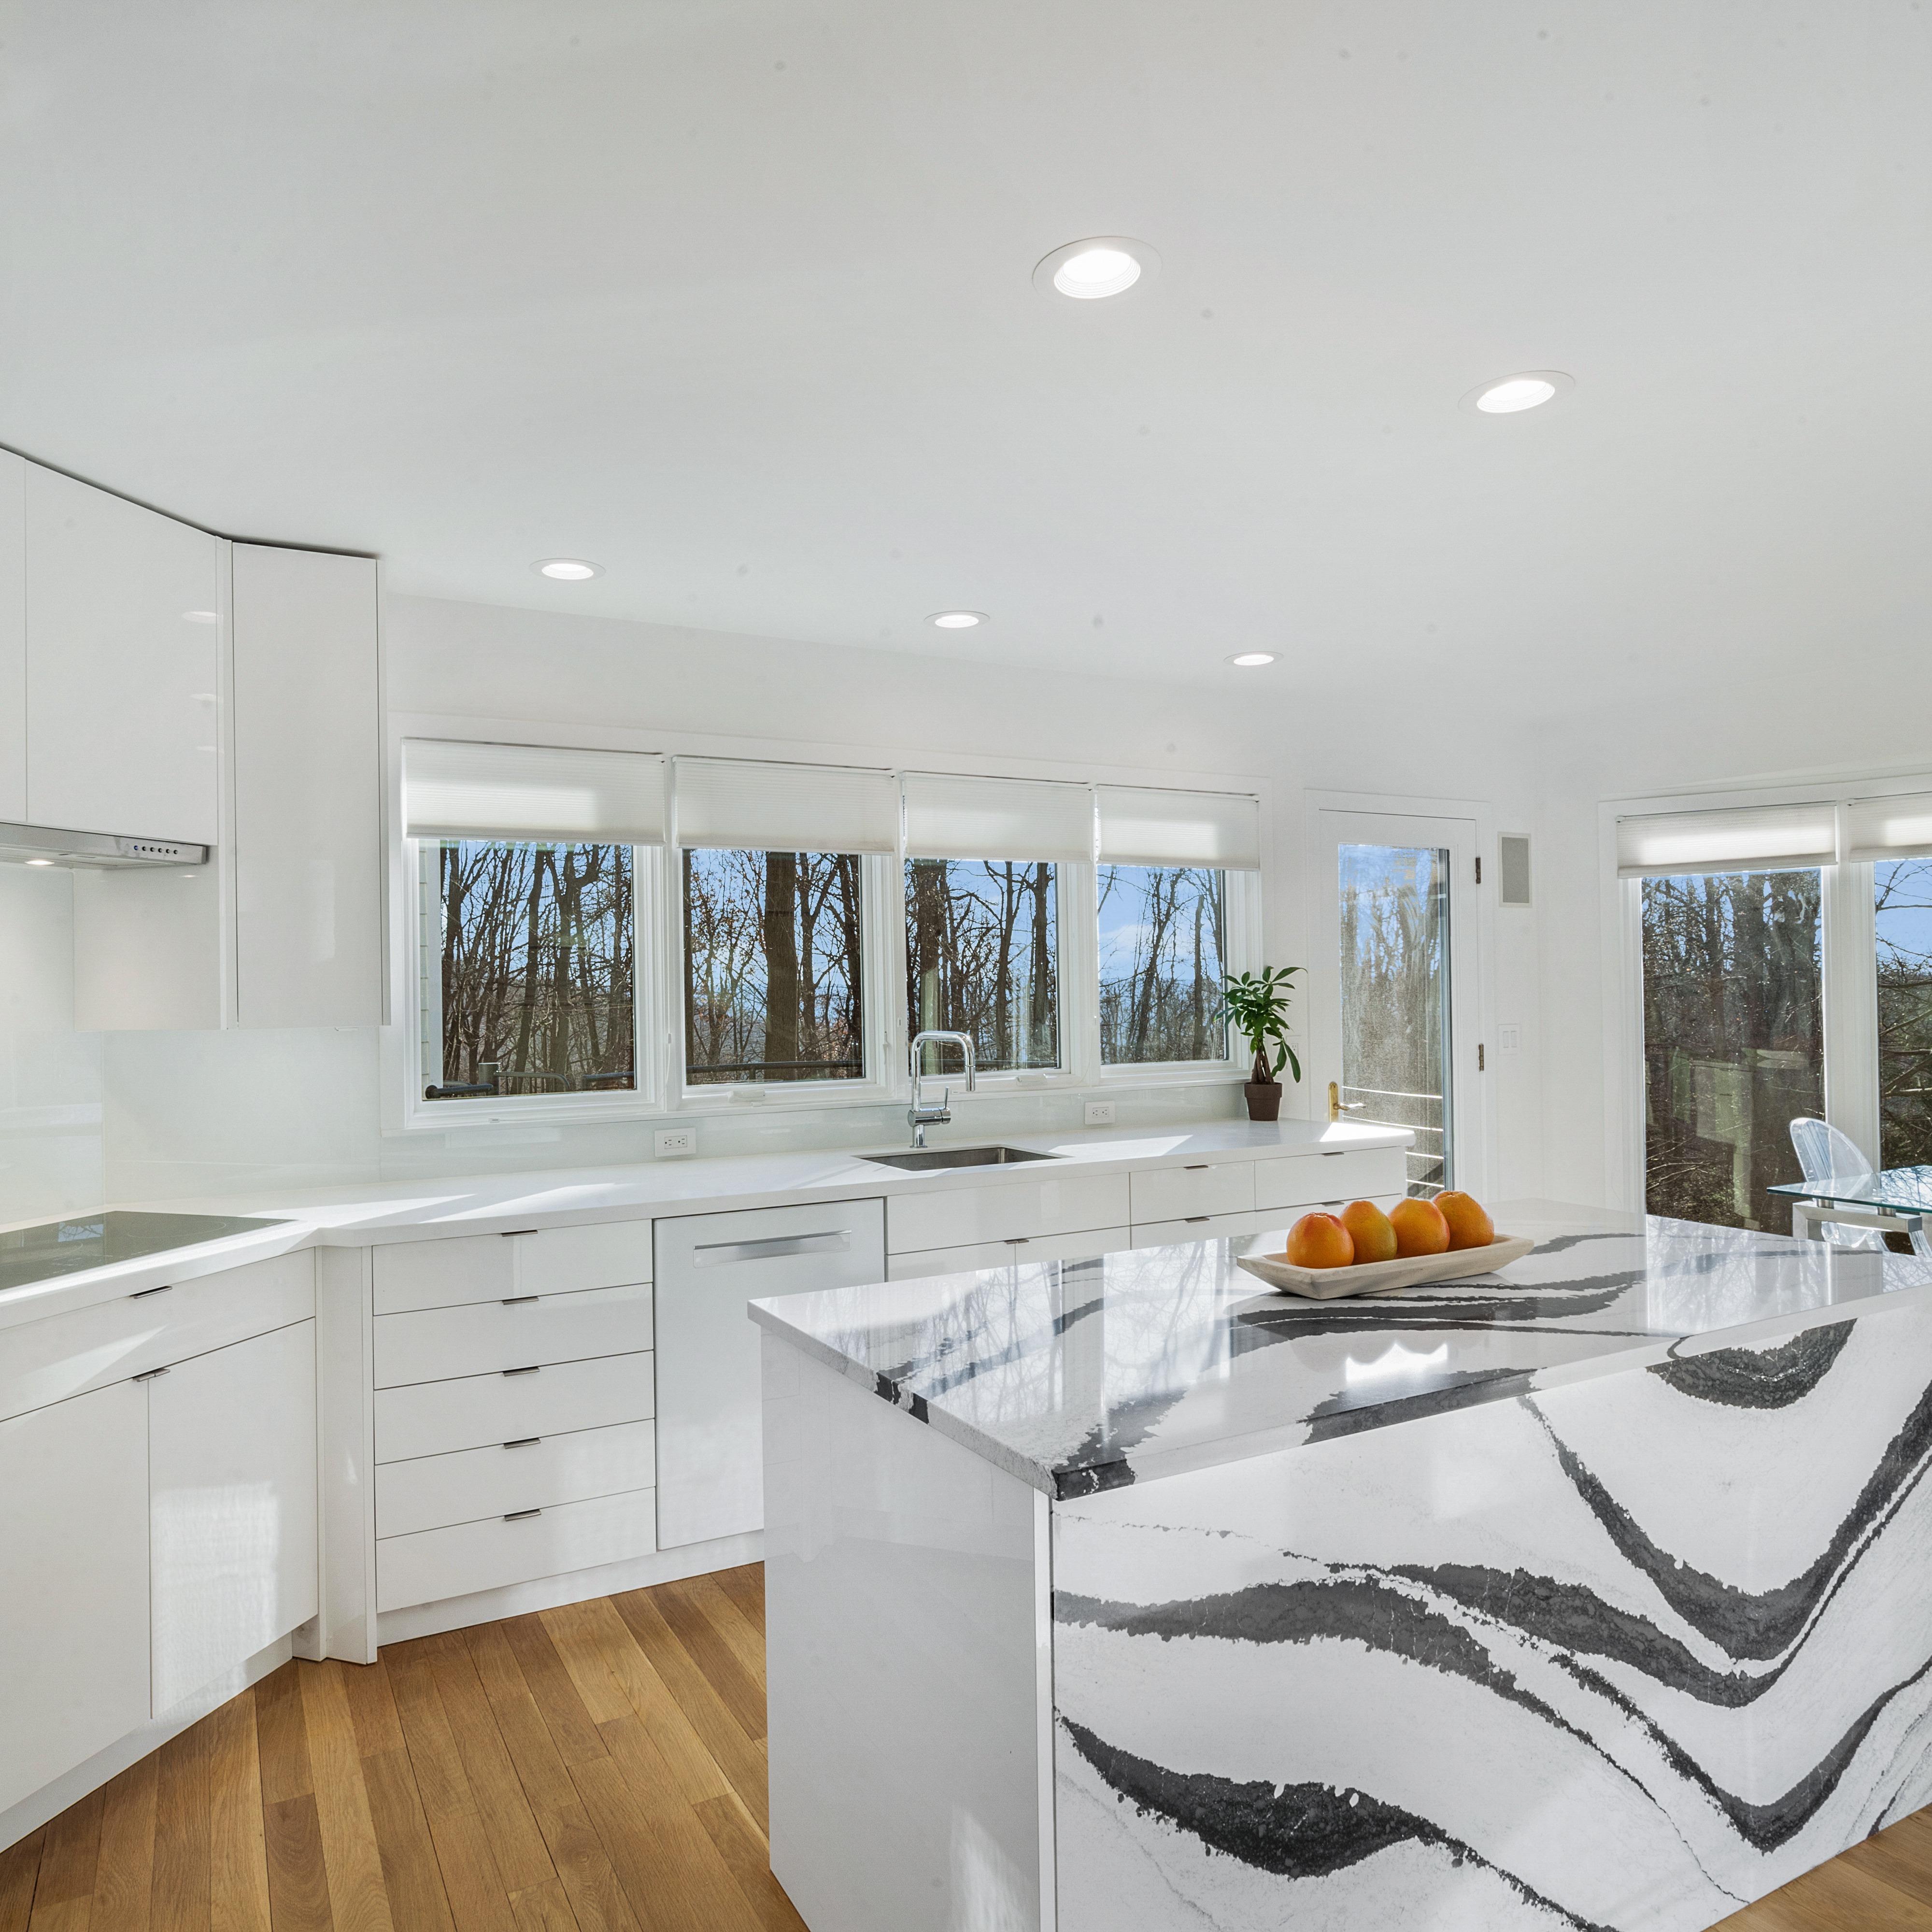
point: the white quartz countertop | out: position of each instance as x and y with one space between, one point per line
1080 1376
559 1197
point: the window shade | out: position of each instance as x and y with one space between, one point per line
1179 828
1889 828
454 789
733 805
948 818
1758 838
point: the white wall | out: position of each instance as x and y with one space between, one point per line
153 1115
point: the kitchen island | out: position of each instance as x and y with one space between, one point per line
1121 1593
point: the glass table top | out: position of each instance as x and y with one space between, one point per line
55 1248
1892 1190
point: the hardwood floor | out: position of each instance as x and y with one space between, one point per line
597 1768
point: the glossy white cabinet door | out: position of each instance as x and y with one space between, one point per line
123 687
13 637
710 1470
233 1527
308 833
73 1583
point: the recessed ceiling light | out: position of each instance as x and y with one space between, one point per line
203 616
567 569
1246 658
40 862
1510 395
1103 265
957 620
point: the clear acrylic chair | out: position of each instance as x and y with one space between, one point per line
1823 1152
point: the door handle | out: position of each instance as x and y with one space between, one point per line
1188 1220
1018 1241
1199 1167
524 1442
141 1294
834 1241
511 1234
521 1516
530 1371
517 1300
147 1375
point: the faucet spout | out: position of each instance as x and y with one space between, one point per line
919 1117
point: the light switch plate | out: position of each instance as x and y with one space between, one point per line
1100 1113
668 1141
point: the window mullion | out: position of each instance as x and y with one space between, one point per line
1850 964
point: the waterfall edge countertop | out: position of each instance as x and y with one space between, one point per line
378 1212
1078 1377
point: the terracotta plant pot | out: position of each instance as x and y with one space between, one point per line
1264 1099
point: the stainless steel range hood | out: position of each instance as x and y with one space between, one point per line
96 851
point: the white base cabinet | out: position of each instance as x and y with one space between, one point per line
73 1583
231 1480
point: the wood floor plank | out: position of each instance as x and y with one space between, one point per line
723 1737
478 1899
378 1729
745 1587
600 1630
412 1879
743 1848
352 1859
670 1888
179 1901
570 1725
237 1851
1901 1856
124 1880
746 1638
281 1737
19 1869
709 1627
1840 1897
64 1893
543 1908
522 1856
298 1881
596 1896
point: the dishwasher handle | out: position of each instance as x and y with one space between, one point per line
834 1241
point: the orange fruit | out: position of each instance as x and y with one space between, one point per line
1319 1241
1469 1223
1419 1228
1370 1230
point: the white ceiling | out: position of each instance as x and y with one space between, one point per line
735 299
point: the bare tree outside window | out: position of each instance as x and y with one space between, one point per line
772 952
538 958
981 954
1733 1039
1162 953
1902 901
1394 926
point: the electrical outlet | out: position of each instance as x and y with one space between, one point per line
1100 1113
674 1141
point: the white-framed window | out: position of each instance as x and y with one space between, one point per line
1778 965
596 934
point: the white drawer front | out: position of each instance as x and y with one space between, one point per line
1193 1228
439 1563
558 1261
46 1361
487 1268
1005 1254
1309 1179
434 1418
525 1473
1208 1187
433 1343
954 1217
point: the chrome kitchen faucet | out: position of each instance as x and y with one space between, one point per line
919 1118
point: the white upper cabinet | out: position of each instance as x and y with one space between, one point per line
123 665
308 839
13 637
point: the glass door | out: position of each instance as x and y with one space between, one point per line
1394 985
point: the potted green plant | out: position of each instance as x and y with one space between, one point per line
1255 1005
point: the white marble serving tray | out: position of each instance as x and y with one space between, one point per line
1385 1277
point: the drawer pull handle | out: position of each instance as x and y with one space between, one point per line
517 1300
1199 1167
1018 1241
1188 1220
147 1375
511 1234
141 1294
530 1371
522 1516
524 1442
1334 1153
837 1241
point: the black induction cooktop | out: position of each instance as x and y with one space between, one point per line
29 1255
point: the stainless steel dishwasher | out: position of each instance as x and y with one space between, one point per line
710 1445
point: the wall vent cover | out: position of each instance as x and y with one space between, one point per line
1513 868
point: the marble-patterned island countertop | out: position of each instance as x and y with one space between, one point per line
1078 1377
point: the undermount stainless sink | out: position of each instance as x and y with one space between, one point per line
919 1160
